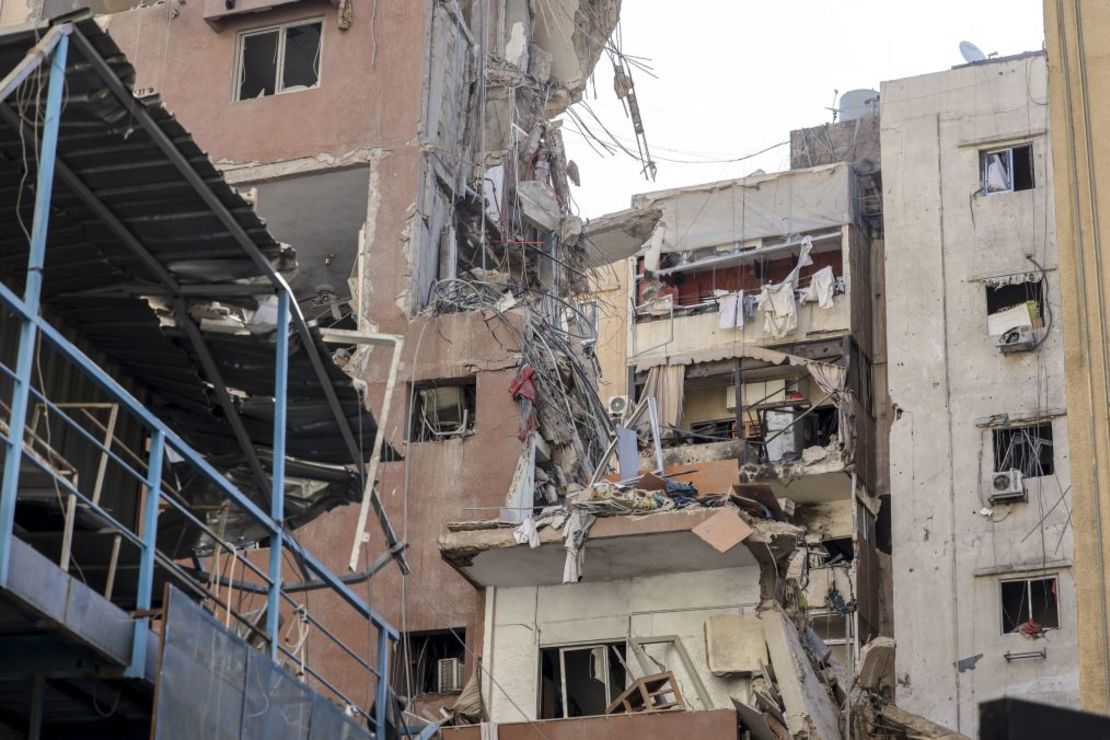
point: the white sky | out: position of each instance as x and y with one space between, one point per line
735 76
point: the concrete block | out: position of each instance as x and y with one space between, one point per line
734 644
810 710
876 664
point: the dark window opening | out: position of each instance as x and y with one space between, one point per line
819 427
1003 297
1007 170
580 680
1026 448
432 661
839 551
443 409
258 65
1029 605
279 60
301 67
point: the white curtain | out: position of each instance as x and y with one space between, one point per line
665 383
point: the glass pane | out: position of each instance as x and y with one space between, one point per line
258 66
1043 598
996 175
302 57
1015 605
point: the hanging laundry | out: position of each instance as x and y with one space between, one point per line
821 287
778 302
751 303
528 533
779 308
574 542
730 311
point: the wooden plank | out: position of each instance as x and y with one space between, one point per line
723 531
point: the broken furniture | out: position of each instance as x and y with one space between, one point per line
656 693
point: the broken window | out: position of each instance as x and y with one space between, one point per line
1024 448
580 680
280 59
1011 307
1007 170
1029 606
443 409
431 661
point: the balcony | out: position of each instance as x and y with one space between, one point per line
619 547
695 333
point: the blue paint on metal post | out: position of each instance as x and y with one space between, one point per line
146 557
277 477
381 698
28 333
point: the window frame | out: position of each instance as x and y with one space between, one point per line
282 30
560 650
1008 150
1028 601
1012 428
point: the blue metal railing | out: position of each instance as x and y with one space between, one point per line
162 440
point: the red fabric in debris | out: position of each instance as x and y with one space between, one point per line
522 385
1031 628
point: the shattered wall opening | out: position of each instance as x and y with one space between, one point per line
430 662
443 409
580 680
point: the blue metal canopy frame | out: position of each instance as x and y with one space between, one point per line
33 328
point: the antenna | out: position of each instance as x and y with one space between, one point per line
971 53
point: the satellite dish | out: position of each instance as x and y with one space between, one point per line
971 53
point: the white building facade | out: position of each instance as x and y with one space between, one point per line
984 601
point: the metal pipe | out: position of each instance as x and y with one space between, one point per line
381 698
147 554
32 294
33 59
277 488
370 495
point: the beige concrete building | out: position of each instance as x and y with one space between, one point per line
1079 96
984 578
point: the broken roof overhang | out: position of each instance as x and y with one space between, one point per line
617 236
139 210
755 207
617 547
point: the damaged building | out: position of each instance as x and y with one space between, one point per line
984 593
170 424
334 380
725 556
411 153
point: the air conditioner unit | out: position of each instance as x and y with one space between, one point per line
1007 487
449 676
1018 339
619 407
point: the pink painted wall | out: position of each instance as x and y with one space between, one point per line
367 97
370 97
